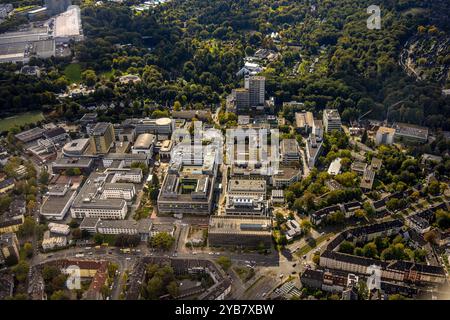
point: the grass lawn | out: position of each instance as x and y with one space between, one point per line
245 273
20 120
73 72
307 248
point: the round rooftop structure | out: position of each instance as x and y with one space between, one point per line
163 122
76 147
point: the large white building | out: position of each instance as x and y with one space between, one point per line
385 135
100 198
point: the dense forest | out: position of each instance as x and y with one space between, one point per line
190 50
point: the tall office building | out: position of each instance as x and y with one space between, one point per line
57 6
256 86
241 98
102 138
331 120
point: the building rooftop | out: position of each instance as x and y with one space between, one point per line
54 132
233 225
89 222
144 141
404 129
54 204
367 179
30 135
303 119
289 146
242 185
100 128
386 130
143 225
332 114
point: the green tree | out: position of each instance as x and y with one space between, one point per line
370 250
224 262
89 77
173 289
28 249
347 247
162 240
21 270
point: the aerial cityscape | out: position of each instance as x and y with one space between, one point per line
224 150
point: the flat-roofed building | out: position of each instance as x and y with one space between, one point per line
85 165
90 201
409 133
160 127
240 100
130 175
246 206
57 201
376 164
9 247
304 121
331 120
89 224
76 148
250 232
166 149
56 135
256 86
313 150
58 228
125 160
124 191
30 135
102 137
335 167
285 177
188 186
358 167
247 187
385 136
317 129
67 26
145 143
367 179
290 152
50 243
142 227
